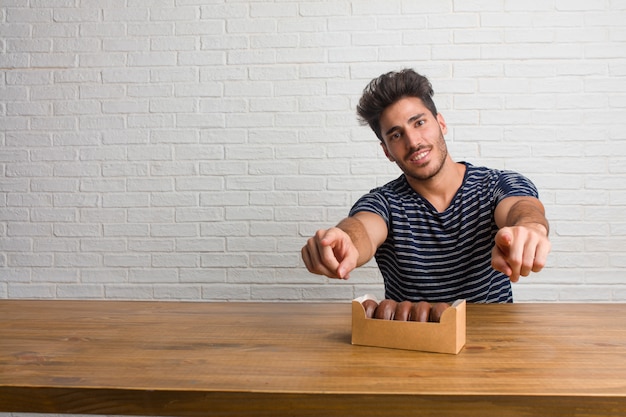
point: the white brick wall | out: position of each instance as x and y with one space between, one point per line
177 150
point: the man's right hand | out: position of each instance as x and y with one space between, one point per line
330 252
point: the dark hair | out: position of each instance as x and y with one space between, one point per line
387 89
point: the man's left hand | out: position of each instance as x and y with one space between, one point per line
518 250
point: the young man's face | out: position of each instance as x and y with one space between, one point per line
413 138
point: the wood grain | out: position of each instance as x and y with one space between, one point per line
188 359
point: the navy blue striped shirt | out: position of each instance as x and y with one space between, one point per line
444 256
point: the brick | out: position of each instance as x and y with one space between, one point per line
330 292
77 260
199 214
23 15
237 228
151 245
224 260
29 260
128 292
15 245
275 292
110 59
113 200
259 25
201 276
265 42
249 213
175 199
248 244
32 291
29 229
200 245
223 292
79 291
135 260
271 10
177 292
101 29
326 8
174 230
130 137
29 170
201 27
103 276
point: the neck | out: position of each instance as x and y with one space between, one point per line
441 188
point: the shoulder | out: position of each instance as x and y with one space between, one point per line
396 186
394 190
382 200
481 173
503 183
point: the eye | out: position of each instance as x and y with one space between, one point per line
420 122
394 136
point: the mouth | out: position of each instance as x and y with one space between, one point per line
419 157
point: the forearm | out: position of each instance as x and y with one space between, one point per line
528 212
360 237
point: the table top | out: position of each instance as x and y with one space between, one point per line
192 358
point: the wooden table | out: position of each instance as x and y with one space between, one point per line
275 359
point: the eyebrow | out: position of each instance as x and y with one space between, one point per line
411 120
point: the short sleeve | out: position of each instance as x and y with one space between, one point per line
513 184
373 202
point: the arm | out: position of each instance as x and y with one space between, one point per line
521 244
353 242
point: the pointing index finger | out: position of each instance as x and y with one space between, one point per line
503 240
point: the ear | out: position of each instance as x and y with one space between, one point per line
442 123
382 145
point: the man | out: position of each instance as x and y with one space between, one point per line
443 230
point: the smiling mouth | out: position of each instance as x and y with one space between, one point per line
417 157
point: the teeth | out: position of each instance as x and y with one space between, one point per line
420 155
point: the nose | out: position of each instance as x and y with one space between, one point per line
413 138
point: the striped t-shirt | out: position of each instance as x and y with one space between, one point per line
444 256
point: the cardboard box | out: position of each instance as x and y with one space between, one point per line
447 336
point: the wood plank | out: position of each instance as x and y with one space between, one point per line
164 358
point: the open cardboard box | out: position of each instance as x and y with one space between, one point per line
447 336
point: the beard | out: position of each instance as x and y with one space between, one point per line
429 170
